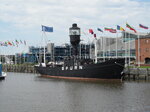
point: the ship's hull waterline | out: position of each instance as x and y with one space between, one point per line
111 69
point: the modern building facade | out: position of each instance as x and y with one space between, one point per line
54 53
125 47
107 47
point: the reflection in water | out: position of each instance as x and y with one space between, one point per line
90 96
28 92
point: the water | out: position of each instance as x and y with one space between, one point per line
30 93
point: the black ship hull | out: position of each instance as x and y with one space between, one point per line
111 69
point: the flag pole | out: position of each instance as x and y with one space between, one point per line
89 44
116 46
103 49
101 45
125 49
138 50
44 48
95 50
109 48
129 49
126 46
43 29
85 50
46 29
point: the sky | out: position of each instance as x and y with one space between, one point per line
22 19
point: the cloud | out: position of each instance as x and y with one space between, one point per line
30 14
35 11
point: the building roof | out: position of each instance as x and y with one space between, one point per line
133 35
146 36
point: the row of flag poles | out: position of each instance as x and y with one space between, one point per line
12 43
23 42
112 30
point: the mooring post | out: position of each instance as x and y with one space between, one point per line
128 71
146 74
138 73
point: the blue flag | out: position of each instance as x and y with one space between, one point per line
47 29
99 30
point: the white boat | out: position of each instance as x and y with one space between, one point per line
2 74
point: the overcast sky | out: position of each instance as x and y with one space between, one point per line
22 19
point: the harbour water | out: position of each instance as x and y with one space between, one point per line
22 92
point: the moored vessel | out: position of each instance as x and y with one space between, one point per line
111 69
2 74
75 68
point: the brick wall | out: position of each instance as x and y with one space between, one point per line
144 49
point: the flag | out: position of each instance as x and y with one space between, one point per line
91 31
108 29
21 41
9 43
99 30
17 42
5 44
95 36
1 43
13 44
113 31
142 26
131 28
47 29
120 28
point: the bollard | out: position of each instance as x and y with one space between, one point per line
138 73
146 73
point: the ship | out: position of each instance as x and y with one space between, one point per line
75 68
